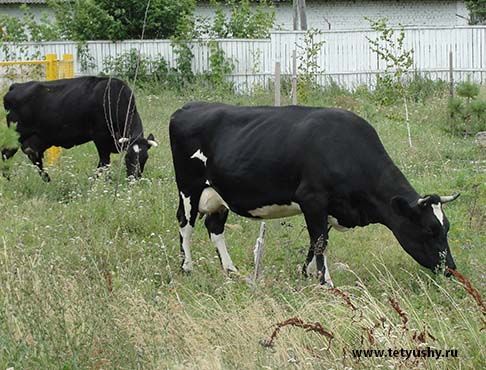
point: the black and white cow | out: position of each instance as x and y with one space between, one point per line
272 162
74 111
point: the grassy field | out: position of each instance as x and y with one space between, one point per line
89 269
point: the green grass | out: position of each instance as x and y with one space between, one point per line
89 269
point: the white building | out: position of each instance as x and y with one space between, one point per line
325 14
340 14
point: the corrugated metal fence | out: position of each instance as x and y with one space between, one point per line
345 57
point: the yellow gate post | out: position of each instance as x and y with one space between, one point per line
52 73
67 66
52 67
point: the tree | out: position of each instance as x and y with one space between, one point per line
477 9
120 20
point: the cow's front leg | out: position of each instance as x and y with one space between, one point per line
8 153
315 213
215 224
36 158
186 215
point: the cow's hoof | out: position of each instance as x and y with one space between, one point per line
186 267
329 284
231 270
45 177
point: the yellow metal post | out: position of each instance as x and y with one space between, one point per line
52 73
52 68
68 65
52 155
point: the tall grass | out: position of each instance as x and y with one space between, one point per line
90 276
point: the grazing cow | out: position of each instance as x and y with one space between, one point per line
272 162
74 111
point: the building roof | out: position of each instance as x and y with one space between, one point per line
22 2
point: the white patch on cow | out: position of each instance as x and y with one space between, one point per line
186 202
136 148
437 209
186 234
200 155
312 270
226 262
211 202
276 210
207 182
327 275
312 267
333 221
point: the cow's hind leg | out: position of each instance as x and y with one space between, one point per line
104 150
215 224
186 215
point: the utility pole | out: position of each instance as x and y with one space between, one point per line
303 15
295 14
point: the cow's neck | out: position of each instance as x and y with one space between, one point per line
392 183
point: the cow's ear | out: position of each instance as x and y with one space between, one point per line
151 141
402 207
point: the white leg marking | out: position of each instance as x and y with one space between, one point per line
186 233
186 202
327 275
226 262
312 270
312 267
437 209
200 155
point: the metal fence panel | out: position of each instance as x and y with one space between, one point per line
345 57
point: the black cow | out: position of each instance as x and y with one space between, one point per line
270 162
74 111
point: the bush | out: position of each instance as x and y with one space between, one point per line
131 65
467 113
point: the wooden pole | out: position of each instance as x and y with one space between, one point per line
277 84
295 14
294 78
258 253
451 74
303 15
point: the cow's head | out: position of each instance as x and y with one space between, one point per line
137 155
422 230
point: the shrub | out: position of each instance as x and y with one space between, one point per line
132 66
467 112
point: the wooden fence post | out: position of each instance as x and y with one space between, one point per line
451 74
277 84
258 254
294 78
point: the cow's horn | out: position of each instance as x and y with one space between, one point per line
421 201
152 143
449 198
123 140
